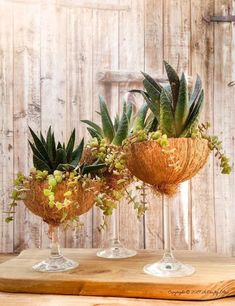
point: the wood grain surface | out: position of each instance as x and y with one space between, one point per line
21 299
214 277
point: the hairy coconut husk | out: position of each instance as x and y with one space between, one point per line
37 202
87 157
110 180
148 162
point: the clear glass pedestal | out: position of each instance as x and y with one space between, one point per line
56 262
168 266
115 249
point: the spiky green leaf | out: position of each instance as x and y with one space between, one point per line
94 133
116 122
77 154
155 107
60 156
129 110
153 126
42 139
174 82
152 91
194 116
182 107
152 81
167 124
139 122
196 93
40 164
108 128
40 146
92 168
50 145
65 167
36 152
122 131
53 145
94 126
59 145
70 145
150 123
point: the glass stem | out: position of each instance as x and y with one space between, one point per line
167 230
55 245
116 225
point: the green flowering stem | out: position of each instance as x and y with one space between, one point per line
139 206
215 144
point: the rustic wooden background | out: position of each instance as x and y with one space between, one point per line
57 56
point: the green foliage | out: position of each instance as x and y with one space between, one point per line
113 132
167 122
122 131
182 106
49 156
216 145
175 110
107 125
139 122
174 83
174 113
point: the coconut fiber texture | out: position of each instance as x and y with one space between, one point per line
109 179
81 200
152 164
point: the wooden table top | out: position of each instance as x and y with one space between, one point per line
25 299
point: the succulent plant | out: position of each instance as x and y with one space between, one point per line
113 132
175 109
54 162
106 145
49 156
175 112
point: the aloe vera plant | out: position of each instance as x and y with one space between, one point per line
49 156
175 110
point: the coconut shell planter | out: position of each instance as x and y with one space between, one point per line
106 145
81 200
165 169
59 189
168 147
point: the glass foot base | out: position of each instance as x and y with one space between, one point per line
166 269
116 251
55 264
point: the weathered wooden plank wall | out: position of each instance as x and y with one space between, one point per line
51 53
